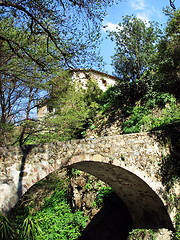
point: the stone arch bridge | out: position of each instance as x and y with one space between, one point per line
130 164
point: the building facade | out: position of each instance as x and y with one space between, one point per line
82 76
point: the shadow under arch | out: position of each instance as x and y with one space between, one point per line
145 207
112 222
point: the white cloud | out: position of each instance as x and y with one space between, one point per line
138 4
110 27
143 16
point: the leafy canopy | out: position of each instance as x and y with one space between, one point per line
168 56
72 27
135 44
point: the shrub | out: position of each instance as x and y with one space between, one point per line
30 228
6 230
57 220
142 118
102 193
141 234
160 99
135 120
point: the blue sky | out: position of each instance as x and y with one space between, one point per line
147 10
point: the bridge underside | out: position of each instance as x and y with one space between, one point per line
144 205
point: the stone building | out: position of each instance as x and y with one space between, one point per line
103 80
82 76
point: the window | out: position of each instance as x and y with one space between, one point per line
104 82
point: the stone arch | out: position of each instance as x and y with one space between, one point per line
145 206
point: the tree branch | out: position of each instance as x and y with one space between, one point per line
10 42
172 4
33 19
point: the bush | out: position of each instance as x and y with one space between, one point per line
177 227
135 120
160 99
30 229
110 98
57 220
141 234
142 118
6 230
102 193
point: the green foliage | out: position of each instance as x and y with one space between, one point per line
148 71
169 115
30 228
51 215
92 93
71 42
145 118
72 110
109 98
34 49
177 227
160 99
134 47
102 193
75 172
6 230
21 81
141 234
133 61
136 119
88 185
92 97
167 58
71 114
68 115
57 220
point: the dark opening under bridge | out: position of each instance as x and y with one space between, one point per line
130 164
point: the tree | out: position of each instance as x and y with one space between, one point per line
168 56
71 108
72 26
21 81
134 41
135 46
38 39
